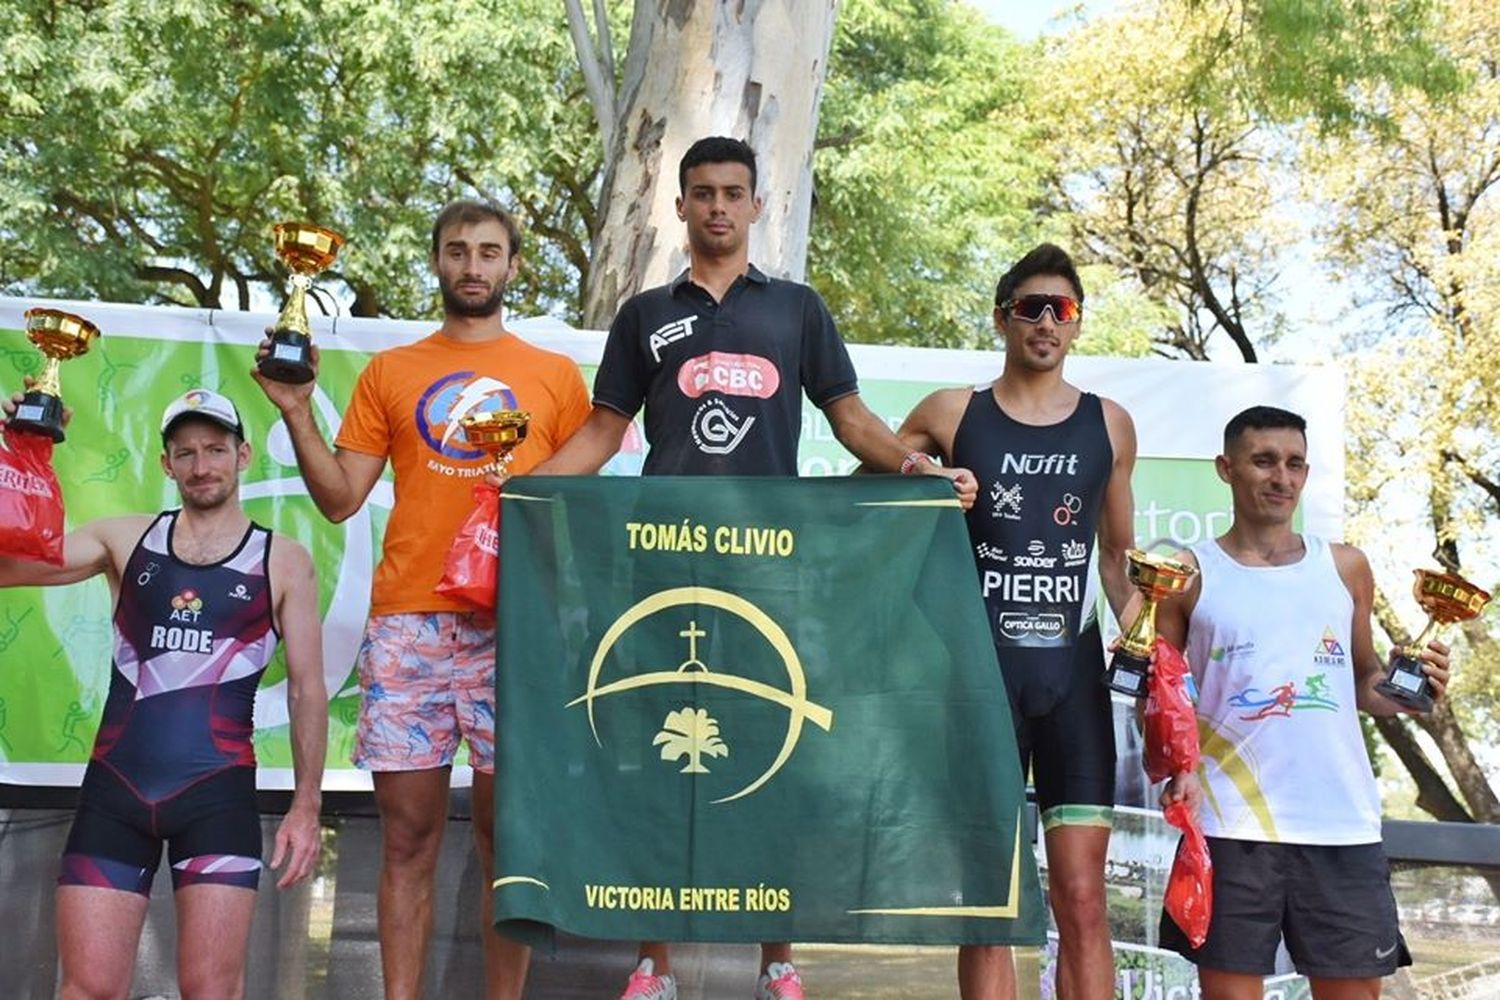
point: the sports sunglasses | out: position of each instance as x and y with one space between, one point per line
1030 308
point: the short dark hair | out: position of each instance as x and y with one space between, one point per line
716 149
1046 258
1262 418
466 212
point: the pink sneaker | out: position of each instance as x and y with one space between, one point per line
646 985
780 982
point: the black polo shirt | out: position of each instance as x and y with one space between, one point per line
722 381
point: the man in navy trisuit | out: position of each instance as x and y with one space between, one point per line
202 597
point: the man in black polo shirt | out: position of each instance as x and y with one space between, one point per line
720 357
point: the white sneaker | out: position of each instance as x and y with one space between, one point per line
780 982
646 985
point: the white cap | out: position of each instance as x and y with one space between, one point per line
202 403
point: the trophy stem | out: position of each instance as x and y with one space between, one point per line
49 382
1141 635
500 464
293 316
1428 633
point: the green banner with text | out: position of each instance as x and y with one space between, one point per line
736 709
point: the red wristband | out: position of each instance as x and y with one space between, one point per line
912 459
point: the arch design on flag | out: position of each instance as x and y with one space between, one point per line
799 708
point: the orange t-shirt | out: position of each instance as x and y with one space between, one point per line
406 407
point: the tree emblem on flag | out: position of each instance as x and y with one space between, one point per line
690 733
681 739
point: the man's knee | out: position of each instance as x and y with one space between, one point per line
212 980
82 984
410 834
407 842
1077 900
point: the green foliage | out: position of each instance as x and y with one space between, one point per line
147 147
927 172
1310 58
1475 689
1414 222
1120 322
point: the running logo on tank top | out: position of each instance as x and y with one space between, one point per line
1284 699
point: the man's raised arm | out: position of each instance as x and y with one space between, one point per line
337 480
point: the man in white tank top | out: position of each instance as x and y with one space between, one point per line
1276 629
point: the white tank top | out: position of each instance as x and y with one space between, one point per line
1270 650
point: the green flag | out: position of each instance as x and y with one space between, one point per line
752 709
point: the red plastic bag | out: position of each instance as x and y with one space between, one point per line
1189 900
31 503
472 568
1171 721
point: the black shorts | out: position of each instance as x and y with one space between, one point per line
211 829
1333 904
1070 749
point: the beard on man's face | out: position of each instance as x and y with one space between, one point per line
203 499
455 305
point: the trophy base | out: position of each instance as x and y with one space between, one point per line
290 358
1127 673
39 413
1406 684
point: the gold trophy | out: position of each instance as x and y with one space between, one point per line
305 249
497 433
60 336
1157 578
469 571
1447 598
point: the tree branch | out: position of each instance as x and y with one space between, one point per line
1433 796
178 276
598 71
848 137
1474 474
606 44
1468 776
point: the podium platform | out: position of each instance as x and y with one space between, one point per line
317 941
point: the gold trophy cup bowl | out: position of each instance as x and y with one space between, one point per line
306 250
1447 598
497 433
1157 578
60 336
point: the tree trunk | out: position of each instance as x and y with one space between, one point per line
1433 794
1467 773
750 69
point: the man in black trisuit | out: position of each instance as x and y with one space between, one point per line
202 596
720 358
1053 464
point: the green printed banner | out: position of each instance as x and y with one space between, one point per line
55 642
752 709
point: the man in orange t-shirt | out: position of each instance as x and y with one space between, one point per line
427 663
